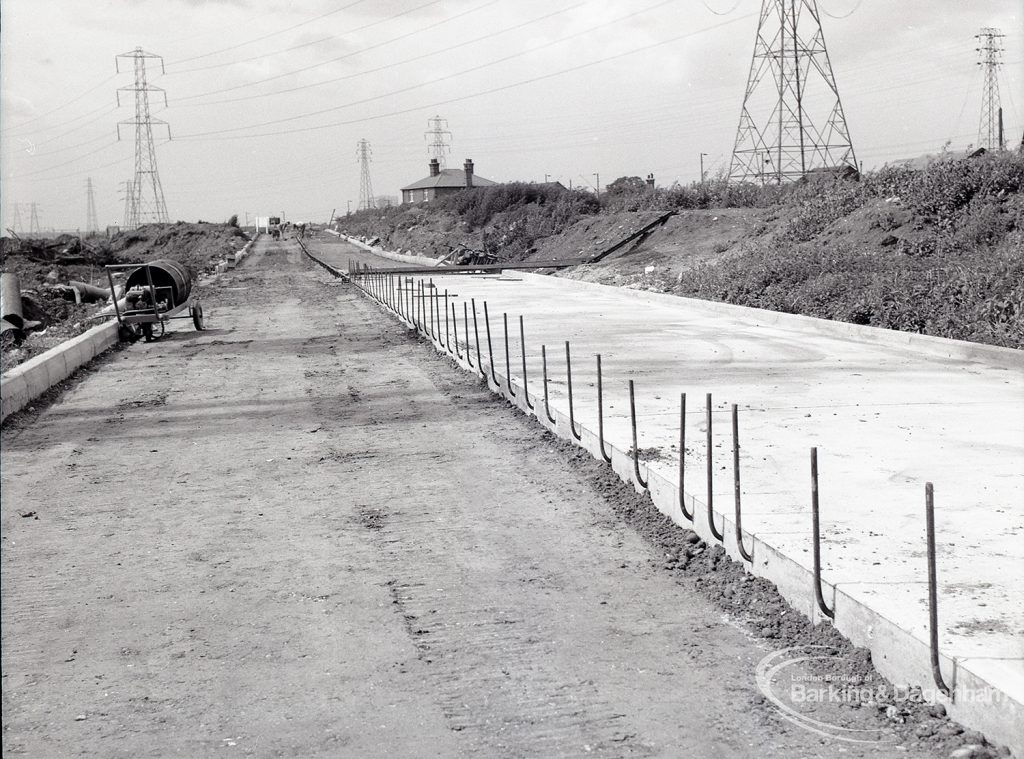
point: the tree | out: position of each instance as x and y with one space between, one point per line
626 186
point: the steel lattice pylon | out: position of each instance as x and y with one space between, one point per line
792 121
147 205
440 135
91 222
989 133
363 152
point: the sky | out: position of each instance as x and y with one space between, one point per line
266 100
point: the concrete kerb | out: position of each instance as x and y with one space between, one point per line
377 251
22 384
26 382
899 654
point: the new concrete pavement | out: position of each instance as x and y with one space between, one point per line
888 412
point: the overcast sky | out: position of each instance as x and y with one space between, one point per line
267 99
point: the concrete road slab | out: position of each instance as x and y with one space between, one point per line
887 412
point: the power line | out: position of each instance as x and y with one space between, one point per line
365 72
308 44
61 107
66 163
472 69
267 36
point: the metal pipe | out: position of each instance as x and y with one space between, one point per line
490 347
933 592
522 343
636 450
720 536
508 360
600 414
568 376
476 336
816 538
682 457
736 484
465 318
544 364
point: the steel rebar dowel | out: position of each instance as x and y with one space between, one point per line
490 346
508 358
437 310
600 414
419 306
476 339
933 591
430 287
720 536
465 319
682 457
568 377
522 344
816 538
636 448
736 485
544 364
447 333
455 329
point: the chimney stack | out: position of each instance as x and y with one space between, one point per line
435 167
469 172
650 180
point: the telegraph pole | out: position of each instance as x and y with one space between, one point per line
702 168
792 119
364 153
92 224
990 133
440 137
148 205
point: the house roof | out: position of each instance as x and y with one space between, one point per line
449 178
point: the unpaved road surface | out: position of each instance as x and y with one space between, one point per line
301 534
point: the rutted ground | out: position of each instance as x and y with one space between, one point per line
302 534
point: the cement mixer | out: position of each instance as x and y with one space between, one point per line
155 293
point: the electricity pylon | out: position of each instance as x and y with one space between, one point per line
792 120
440 137
33 220
92 225
16 221
364 153
990 131
129 204
148 203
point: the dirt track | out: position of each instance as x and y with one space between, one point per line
302 533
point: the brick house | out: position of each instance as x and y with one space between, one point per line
441 182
